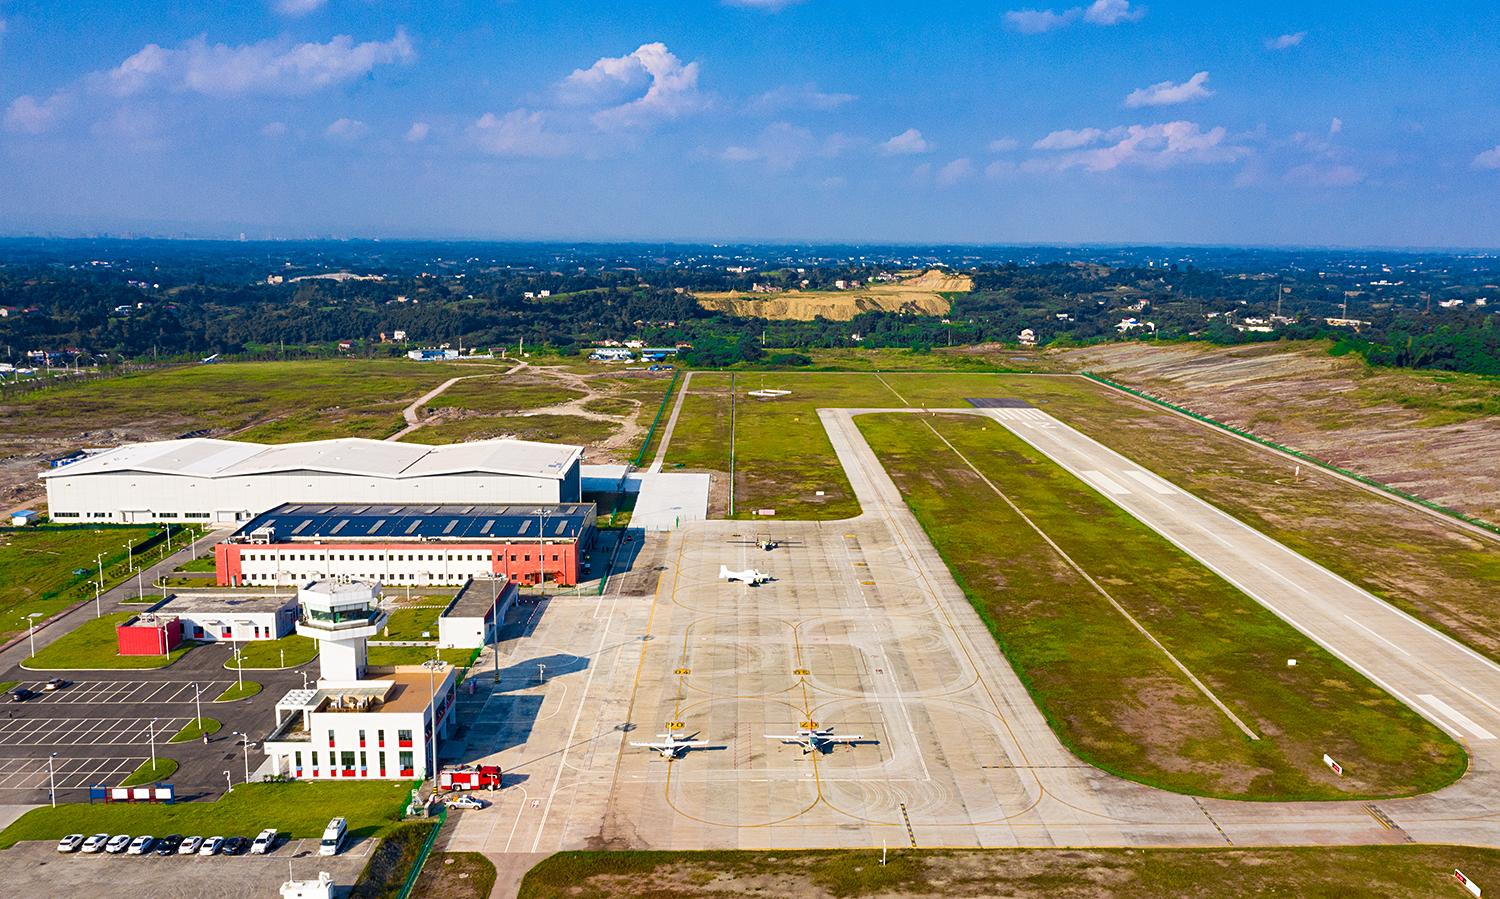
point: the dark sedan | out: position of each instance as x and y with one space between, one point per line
168 845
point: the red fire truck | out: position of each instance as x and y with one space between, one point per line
469 777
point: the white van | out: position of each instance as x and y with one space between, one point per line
333 837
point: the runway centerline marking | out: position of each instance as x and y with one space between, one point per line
1377 636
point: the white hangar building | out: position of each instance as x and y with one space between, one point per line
207 480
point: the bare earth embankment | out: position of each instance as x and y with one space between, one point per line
922 295
1430 433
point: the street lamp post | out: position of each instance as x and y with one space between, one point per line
99 587
239 670
304 678
229 780
31 633
432 665
541 674
153 746
198 702
245 741
51 781
495 603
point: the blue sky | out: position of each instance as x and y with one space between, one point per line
756 120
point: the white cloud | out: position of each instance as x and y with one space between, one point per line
1152 146
1286 41
26 114
1041 21
1067 140
269 67
1003 144
907 142
346 129
783 145
298 7
1314 174
672 92
1336 126
1168 93
520 133
418 132
274 129
1000 168
1112 12
805 97
767 5
1100 12
1489 159
954 172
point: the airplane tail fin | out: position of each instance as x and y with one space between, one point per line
723 571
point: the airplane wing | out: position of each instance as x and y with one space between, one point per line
798 738
849 738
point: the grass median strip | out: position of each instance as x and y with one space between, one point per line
1112 696
243 690
1366 872
150 772
300 809
95 644
195 729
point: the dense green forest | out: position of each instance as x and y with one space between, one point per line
117 310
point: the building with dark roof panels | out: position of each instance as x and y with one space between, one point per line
410 544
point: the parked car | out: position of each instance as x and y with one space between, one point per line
140 846
464 802
265 842
117 844
70 843
95 843
56 683
235 846
190 846
21 694
211 846
168 845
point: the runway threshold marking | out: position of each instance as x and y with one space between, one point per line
910 834
1212 821
1101 480
1153 483
1457 717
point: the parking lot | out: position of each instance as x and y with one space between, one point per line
127 691
89 731
100 726
67 773
38 871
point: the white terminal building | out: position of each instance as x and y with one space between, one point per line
206 480
359 722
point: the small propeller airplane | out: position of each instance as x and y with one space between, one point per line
766 542
671 747
749 576
815 740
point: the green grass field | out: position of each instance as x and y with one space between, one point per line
416 655
541 428
287 652
1365 872
1115 699
37 565
312 399
413 624
95 644
503 394
301 810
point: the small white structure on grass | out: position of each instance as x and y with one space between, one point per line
322 888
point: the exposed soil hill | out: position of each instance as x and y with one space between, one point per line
920 295
1432 434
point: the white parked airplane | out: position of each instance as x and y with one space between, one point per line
670 747
749 576
815 740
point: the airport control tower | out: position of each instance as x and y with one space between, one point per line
342 616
